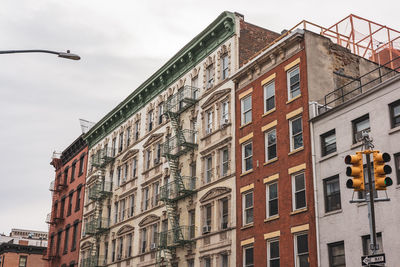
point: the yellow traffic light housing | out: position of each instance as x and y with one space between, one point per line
356 171
380 170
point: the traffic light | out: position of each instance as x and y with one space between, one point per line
356 171
380 170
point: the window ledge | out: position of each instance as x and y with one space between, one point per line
268 112
244 125
293 99
356 145
247 226
299 211
246 172
331 155
394 130
332 212
270 161
273 218
295 151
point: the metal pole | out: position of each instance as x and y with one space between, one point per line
371 207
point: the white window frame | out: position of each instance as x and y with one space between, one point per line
267 194
267 145
210 70
289 72
266 97
243 112
244 158
296 255
209 122
208 169
224 66
244 255
269 241
150 121
224 112
291 133
224 163
293 178
245 209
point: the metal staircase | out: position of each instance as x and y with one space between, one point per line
98 192
181 187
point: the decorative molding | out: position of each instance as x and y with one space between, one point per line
129 154
152 138
214 192
149 219
216 95
125 229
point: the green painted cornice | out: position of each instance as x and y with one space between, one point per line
189 56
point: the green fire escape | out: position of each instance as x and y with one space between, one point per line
98 192
181 142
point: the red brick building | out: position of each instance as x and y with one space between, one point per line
67 207
21 255
274 179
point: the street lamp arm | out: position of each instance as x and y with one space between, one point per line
67 54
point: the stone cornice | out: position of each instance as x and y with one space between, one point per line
189 56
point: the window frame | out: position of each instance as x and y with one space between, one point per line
354 126
266 98
269 258
393 118
24 263
208 169
325 184
289 85
268 145
291 135
224 163
245 209
243 112
150 120
244 158
330 253
396 158
224 66
210 71
268 199
294 192
296 248
209 121
245 248
323 137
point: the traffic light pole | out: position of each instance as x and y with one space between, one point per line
371 207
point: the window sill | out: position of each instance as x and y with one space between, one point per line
246 172
356 145
268 112
273 218
295 151
394 130
333 212
247 226
293 99
331 155
244 125
270 161
299 211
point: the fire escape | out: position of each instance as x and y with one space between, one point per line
98 192
180 143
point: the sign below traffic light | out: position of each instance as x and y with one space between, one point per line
381 170
356 171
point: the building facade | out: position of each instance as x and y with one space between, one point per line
65 219
274 179
21 254
343 226
161 183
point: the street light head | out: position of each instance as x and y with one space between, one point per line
69 55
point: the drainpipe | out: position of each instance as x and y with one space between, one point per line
315 191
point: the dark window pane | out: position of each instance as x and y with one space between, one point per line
302 244
296 126
300 199
249 256
274 249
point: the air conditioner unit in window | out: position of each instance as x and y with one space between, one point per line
153 246
206 229
224 225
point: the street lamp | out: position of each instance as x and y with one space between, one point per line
67 54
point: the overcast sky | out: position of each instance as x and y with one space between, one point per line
121 44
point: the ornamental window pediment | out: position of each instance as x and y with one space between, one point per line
214 193
148 220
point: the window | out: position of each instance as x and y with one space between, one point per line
328 142
131 205
296 134
70 204
120 247
148 158
129 245
66 176
362 194
190 263
58 243
115 212
136 130
360 125
224 260
395 113
118 175
22 261
113 251
113 146
192 223
209 125
134 167
146 198
121 142
128 136
66 238
62 207
299 191
158 154
207 262
73 172
105 252
150 120
224 213
332 194
248 208
224 162
195 86
126 171
122 210
160 113
336 254
208 169
293 80
78 198
397 166
273 253
144 237
224 113
81 162
301 250
272 200
246 109
248 256
269 96
210 76
224 66
247 157
270 145
154 235
193 127
74 236
207 217
156 192
366 242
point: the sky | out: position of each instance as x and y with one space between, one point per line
121 43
